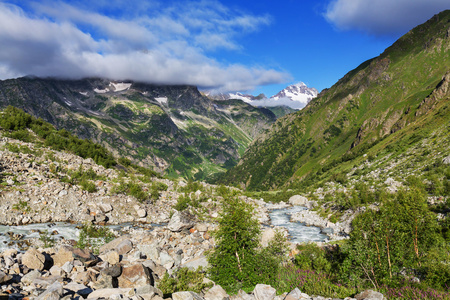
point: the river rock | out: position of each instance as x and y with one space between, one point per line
33 259
241 295
105 207
135 276
180 221
107 293
63 256
370 295
78 288
264 292
267 235
196 262
216 293
166 260
53 292
296 294
186 296
151 251
124 247
148 290
142 213
112 257
4 277
113 244
298 200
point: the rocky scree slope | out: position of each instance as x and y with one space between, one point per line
174 129
388 103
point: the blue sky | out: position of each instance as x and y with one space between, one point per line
249 46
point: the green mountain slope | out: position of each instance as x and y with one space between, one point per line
173 129
392 101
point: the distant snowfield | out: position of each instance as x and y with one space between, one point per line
100 91
120 86
161 100
84 93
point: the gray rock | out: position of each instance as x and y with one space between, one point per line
148 290
216 293
298 200
27 279
151 251
266 236
67 267
196 262
113 244
33 259
135 276
124 247
166 260
78 288
4 277
54 291
180 221
327 231
370 295
241 295
296 294
264 292
107 293
186 296
446 160
105 207
142 213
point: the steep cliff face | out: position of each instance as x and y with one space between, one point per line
404 85
172 128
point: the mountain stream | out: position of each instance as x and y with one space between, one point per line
17 236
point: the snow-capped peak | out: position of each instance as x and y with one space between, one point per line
297 92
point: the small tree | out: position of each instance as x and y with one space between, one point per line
237 261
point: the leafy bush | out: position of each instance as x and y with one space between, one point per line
236 262
93 237
183 280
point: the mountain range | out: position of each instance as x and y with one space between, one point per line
173 129
390 106
295 96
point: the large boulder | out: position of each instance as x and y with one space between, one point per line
196 262
135 276
296 294
298 200
186 296
267 235
53 292
115 244
264 292
370 295
34 259
180 221
63 256
216 293
107 293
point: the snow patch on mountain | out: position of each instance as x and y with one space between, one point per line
295 96
119 86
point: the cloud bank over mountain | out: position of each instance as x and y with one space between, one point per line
382 17
165 44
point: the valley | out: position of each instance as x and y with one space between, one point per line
166 192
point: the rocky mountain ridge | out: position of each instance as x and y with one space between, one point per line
295 96
385 106
173 129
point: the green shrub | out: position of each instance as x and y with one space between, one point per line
236 262
93 237
183 280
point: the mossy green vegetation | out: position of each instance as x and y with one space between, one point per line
378 106
17 123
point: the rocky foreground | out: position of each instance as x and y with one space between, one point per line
129 267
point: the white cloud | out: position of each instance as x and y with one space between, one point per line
166 45
382 17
